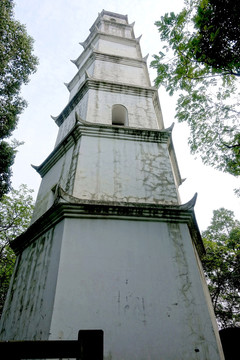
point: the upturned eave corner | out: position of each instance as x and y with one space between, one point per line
35 167
193 225
190 204
83 127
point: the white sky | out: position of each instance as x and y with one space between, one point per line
57 27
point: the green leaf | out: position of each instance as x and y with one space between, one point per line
200 59
15 214
222 266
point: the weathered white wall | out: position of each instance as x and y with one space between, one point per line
61 173
118 20
122 73
115 28
112 169
118 47
29 305
113 63
118 30
67 125
139 282
96 107
141 112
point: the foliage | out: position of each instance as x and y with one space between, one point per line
16 64
222 266
6 161
15 214
200 60
217 44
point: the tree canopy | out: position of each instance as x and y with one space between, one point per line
217 42
222 266
15 214
200 60
17 63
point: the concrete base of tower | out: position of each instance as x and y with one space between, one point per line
135 275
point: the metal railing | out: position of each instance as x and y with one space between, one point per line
89 346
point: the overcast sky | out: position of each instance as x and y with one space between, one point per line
57 27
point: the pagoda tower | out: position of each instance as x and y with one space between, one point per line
110 246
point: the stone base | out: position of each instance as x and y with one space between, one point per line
135 274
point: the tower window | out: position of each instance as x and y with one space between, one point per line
119 115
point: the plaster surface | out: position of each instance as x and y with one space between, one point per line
62 172
112 60
119 47
28 308
133 280
105 171
140 108
139 281
110 164
123 73
96 105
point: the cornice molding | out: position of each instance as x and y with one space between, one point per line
84 128
98 55
97 84
59 151
91 38
66 206
124 60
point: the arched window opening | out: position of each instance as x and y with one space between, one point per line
119 115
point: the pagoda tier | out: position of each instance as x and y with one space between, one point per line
111 71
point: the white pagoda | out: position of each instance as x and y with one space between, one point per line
110 246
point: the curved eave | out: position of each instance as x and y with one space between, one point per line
69 207
98 55
98 84
98 34
85 128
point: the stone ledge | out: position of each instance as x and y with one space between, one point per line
84 128
78 209
98 55
96 35
96 84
